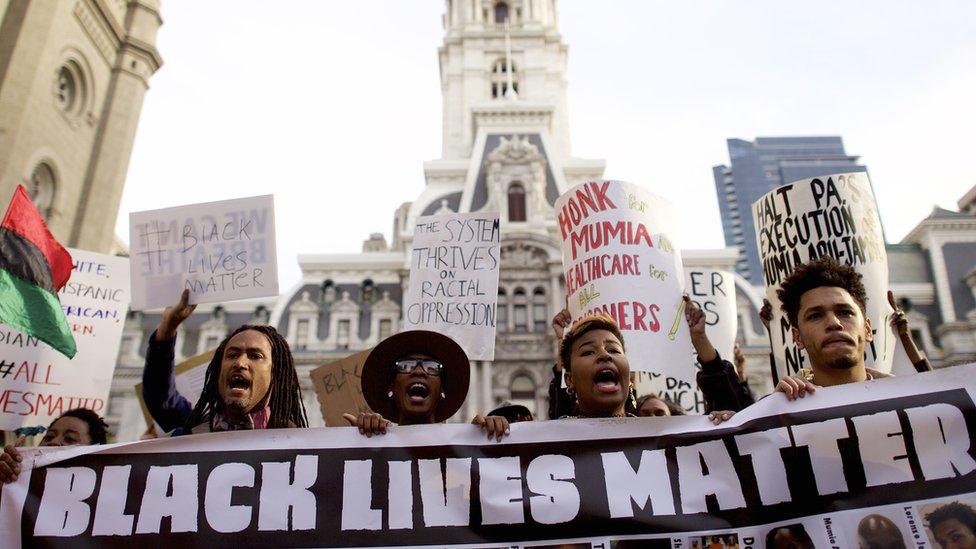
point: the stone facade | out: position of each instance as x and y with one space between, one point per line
72 79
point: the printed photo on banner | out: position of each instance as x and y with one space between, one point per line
220 251
713 291
864 461
834 216
454 279
949 522
37 383
619 259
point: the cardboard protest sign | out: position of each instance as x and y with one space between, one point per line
220 251
832 216
37 383
454 280
189 377
339 389
820 467
714 292
618 259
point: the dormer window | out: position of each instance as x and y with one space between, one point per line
499 78
516 202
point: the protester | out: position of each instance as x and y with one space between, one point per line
251 382
419 378
826 303
514 413
595 365
561 403
80 426
953 525
657 406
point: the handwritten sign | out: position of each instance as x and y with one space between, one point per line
454 279
37 383
220 251
619 260
714 292
832 216
339 388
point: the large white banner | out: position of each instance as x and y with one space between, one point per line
713 290
832 216
618 259
864 464
220 251
37 383
454 279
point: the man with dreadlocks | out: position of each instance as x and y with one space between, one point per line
250 383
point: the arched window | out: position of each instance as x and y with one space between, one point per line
501 316
41 189
520 311
499 78
516 202
501 12
523 392
540 313
71 89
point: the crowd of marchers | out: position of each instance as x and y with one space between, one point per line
421 377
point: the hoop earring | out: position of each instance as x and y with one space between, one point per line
389 395
443 395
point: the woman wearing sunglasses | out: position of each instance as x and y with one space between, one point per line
417 378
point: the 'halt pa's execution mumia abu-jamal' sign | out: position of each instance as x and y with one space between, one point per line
893 448
220 251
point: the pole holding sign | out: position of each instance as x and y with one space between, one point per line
454 279
619 260
834 216
37 383
220 251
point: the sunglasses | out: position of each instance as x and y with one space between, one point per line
431 367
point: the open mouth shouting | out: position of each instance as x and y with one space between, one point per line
238 385
418 392
607 380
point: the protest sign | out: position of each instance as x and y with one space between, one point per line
454 280
832 216
220 251
895 448
339 388
189 377
713 291
37 383
618 259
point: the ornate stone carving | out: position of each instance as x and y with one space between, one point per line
522 255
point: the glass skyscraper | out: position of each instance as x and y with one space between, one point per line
759 167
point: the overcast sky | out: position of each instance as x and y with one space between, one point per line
333 106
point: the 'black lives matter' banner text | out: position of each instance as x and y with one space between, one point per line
895 448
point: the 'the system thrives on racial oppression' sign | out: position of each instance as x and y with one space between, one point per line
454 279
888 451
619 260
220 251
37 383
834 216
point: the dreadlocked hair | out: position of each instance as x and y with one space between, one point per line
285 394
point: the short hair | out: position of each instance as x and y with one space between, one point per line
97 428
797 530
584 325
825 271
955 510
284 394
673 407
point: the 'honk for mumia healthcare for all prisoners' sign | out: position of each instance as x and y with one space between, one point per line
37 383
454 279
220 251
832 216
822 466
619 260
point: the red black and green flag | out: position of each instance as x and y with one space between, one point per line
33 267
